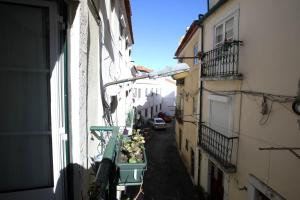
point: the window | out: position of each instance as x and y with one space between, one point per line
146 92
229 29
195 54
135 92
220 114
121 28
156 91
180 82
226 30
219 35
139 92
25 120
146 112
160 107
186 145
156 108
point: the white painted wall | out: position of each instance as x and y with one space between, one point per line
166 96
91 47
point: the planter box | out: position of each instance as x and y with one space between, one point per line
131 173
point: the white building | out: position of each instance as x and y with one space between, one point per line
56 56
154 95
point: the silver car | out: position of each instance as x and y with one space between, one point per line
157 123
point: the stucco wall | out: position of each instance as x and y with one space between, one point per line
269 64
91 46
190 92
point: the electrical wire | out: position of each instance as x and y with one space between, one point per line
264 119
269 96
280 99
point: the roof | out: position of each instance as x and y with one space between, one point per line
170 81
129 14
143 69
189 34
197 23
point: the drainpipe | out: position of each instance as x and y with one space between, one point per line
201 82
68 170
69 174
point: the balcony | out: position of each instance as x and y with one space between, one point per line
179 115
180 82
219 147
222 63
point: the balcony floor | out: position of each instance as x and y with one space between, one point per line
223 78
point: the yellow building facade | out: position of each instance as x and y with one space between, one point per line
187 112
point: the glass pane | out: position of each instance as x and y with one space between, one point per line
25 137
24 106
23 37
219 34
23 162
229 29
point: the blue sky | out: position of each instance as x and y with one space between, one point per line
158 26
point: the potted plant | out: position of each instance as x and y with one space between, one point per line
131 159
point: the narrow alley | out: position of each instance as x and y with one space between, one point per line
166 177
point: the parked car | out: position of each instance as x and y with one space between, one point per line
157 123
167 118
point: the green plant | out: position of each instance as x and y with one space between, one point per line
132 148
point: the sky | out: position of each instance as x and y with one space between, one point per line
158 26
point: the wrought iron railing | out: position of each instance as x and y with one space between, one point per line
179 115
221 61
180 82
219 146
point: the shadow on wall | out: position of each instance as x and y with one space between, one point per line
74 178
107 33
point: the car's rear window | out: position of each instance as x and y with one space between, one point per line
159 121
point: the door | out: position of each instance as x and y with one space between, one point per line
216 183
199 166
29 119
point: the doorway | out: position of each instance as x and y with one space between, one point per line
30 144
216 182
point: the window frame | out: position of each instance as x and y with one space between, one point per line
195 49
222 21
229 101
56 94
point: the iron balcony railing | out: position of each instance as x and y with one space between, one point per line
179 115
222 61
219 146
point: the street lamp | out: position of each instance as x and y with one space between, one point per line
167 71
